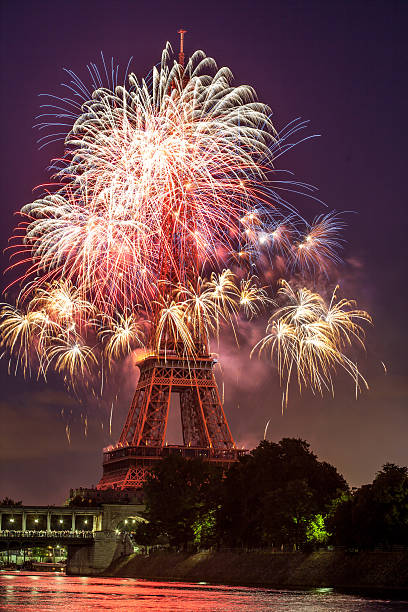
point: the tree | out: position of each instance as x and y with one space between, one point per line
277 495
340 521
390 493
377 513
83 502
10 502
287 513
273 494
316 532
204 529
180 495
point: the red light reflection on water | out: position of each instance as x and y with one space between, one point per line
49 591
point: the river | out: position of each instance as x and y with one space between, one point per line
37 592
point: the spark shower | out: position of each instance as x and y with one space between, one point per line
166 220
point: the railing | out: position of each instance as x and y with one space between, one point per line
10 533
230 454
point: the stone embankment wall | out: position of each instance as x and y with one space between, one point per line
319 569
92 560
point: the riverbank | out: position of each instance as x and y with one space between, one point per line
338 569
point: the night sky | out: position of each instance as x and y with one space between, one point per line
339 64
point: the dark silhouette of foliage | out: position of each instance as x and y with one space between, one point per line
83 502
271 496
376 514
279 495
179 495
10 502
339 521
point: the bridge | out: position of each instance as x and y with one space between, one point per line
9 538
94 536
57 519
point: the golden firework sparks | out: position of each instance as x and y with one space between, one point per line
122 335
308 337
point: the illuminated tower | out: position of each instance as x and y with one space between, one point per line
142 443
205 429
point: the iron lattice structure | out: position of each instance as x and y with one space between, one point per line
205 429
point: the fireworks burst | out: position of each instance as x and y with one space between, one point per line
153 185
320 244
252 298
72 358
17 331
307 337
164 183
122 334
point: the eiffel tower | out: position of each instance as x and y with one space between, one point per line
206 433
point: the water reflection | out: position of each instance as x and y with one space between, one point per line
49 591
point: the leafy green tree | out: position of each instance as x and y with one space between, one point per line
204 529
277 495
316 532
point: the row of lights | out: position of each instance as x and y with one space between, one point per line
11 520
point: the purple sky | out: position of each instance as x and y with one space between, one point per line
339 64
